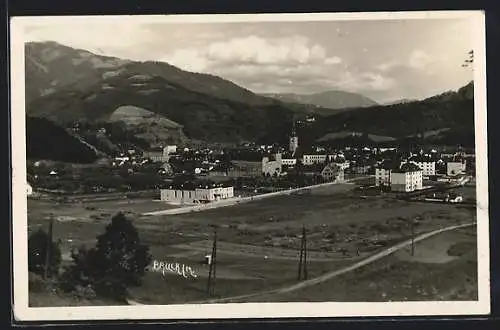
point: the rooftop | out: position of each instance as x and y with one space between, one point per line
408 167
389 165
197 184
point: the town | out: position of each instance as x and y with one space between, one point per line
183 175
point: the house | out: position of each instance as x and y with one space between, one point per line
427 164
269 165
333 172
272 165
155 154
363 167
310 159
29 189
383 172
455 167
195 192
408 177
244 169
289 161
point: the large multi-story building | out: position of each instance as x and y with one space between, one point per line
408 177
383 172
269 166
196 192
426 164
310 159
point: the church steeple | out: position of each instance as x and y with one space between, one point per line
294 140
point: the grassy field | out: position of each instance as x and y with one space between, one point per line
443 268
258 241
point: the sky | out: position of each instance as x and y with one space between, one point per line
385 60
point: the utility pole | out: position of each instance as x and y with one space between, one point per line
302 274
48 248
412 223
212 270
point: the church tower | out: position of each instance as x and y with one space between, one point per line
294 140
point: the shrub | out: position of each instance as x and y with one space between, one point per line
37 252
118 261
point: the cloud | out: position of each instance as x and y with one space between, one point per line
296 50
419 59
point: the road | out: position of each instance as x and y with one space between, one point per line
332 274
237 200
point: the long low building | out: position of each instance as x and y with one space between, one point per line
196 193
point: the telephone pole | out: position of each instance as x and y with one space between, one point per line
412 229
48 248
212 269
302 274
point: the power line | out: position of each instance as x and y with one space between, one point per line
212 269
48 248
302 272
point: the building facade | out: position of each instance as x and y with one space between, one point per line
382 176
289 161
272 166
155 155
455 167
293 143
198 194
407 178
244 169
310 159
427 165
333 172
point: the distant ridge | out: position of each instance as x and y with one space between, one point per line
327 99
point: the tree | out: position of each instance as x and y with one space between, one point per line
117 262
37 253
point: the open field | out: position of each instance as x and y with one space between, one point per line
443 268
259 240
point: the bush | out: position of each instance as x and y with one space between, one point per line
117 262
37 251
36 283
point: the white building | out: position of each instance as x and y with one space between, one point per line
293 143
407 178
272 165
311 159
455 167
382 176
427 165
343 165
172 149
383 173
29 189
333 172
191 193
289 161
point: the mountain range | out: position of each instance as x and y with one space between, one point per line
155 101
327 99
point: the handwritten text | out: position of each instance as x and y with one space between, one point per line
175 268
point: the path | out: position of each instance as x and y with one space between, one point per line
332 274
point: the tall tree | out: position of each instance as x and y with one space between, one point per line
117 262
